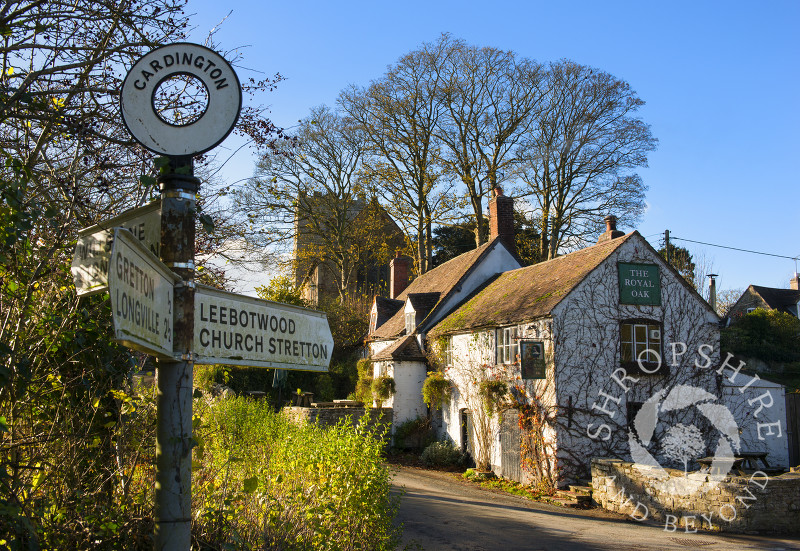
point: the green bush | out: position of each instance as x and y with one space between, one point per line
443 454
768 335
262 482
435 390
383 388
414 434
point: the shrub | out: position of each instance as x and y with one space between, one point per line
363 392
442 454
493 393
436 390
383 388
414 433
262 482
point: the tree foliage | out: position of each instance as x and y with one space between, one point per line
75 430
769 335
398 114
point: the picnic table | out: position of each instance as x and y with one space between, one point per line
740 461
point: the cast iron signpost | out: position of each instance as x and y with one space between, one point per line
180 134
156 306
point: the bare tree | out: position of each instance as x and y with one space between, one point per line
579 155
398 114
307 198
489 99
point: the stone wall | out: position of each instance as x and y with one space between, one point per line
329 416
753 503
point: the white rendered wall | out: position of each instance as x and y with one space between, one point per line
586 340
408 377
765 431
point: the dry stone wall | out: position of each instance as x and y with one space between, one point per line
329 416
757 502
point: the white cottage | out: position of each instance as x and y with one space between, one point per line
581 343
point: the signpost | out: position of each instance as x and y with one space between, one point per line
141 290
157 307
93 250
239 330
189 131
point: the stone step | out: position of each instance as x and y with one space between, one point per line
582 490
564 501
576 497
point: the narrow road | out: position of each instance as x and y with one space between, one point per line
441 513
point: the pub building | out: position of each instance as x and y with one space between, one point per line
582 340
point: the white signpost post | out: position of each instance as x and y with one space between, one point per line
141 290
240 330
93 250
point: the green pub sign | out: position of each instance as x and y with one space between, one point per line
639 284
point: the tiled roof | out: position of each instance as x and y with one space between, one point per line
406 349
386 308
526 293
778 299
422 303
442 279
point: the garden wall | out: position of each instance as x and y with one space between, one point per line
329 416
752 503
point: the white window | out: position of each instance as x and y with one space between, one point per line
507 340
640 342
373 321
448 352
411 322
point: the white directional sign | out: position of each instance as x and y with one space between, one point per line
93 250
240 330
141 296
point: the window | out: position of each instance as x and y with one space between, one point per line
507 345
640 342
411 322
448 352
373 321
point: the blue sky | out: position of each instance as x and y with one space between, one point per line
720 81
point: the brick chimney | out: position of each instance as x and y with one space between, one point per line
501 219
611 229
398 274
794 283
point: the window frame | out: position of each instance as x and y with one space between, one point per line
634 343
411 322
506 345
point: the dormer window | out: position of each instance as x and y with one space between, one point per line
411 322
373 320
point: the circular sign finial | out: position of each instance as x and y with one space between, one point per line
181 99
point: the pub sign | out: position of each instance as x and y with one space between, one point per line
639 284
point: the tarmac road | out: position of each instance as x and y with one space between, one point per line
439 512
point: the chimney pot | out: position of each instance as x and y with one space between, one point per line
611 229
